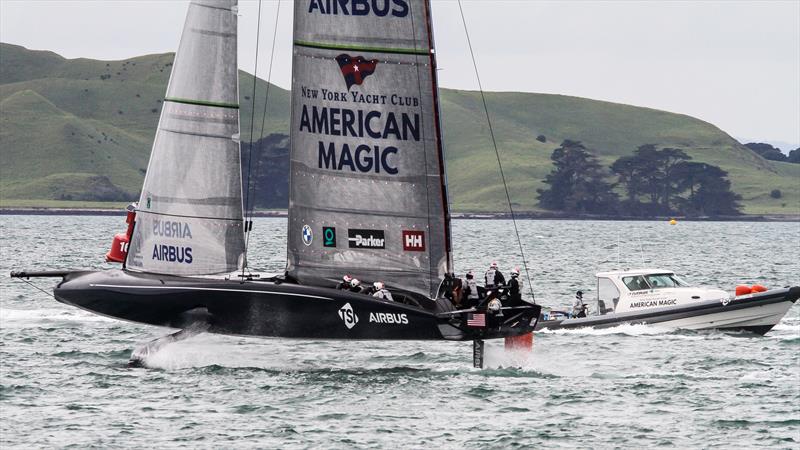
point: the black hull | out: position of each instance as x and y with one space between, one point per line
741 313
270 309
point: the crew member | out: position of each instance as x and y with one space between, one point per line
578 307
381 291
493 277
470 290
355 286
515 289
344 285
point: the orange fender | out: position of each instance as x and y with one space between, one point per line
743 290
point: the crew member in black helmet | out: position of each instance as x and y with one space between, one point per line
578 307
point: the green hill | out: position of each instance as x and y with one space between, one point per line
70 128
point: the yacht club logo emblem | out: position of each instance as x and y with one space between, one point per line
355 68
308 235
348 316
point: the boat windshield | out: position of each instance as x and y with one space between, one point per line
666 280
636 283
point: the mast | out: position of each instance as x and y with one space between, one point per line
368 190
189 220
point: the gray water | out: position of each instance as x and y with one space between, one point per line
64 380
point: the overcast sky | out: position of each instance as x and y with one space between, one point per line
735 64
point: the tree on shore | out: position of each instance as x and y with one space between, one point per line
709 190
664 177
577 183
648 172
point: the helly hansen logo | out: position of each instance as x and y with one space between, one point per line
365 239
413 241
355 68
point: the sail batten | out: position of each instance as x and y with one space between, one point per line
189 220
202 103
360 48
367 194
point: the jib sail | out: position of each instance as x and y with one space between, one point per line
189 220
367 193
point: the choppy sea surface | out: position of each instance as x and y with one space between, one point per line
64 380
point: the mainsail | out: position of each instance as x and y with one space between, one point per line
368 193
189 219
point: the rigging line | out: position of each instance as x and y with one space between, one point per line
252 124
497 152
641 247
49 294
431 267
251 187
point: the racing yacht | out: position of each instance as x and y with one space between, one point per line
661 298
368 194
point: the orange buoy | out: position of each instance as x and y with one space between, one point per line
119 246
521 342
758 288
743 290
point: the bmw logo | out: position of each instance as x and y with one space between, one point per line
308 235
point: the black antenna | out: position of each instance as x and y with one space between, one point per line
496 152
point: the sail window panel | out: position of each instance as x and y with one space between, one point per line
194 176
205 65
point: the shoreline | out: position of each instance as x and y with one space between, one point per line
465 215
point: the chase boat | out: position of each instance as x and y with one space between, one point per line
661 298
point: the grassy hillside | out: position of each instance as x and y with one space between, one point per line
66 124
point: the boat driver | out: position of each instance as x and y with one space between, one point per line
381 291
578 307
344 285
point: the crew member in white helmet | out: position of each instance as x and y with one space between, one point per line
355 286
515 289
381 291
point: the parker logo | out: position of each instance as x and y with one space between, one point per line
366 239
348 316
355 68
328 236
413 241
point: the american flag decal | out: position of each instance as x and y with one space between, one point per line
355 68
476 320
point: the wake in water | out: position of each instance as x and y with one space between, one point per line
24 318
626 329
